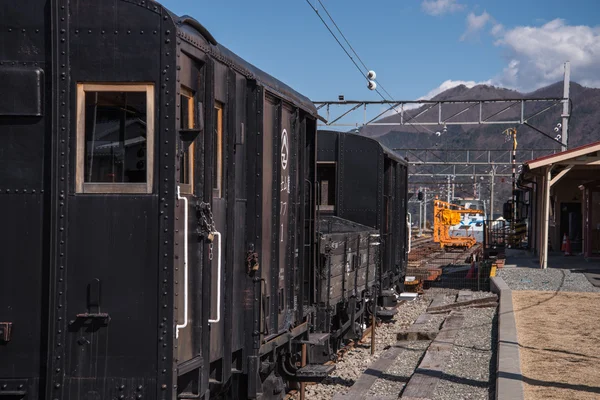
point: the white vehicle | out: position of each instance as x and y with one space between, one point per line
470 224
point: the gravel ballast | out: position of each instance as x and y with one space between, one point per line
358 360
469 374
555 280
397 375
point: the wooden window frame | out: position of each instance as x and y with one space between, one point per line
188 188
91 187
218 188
328 207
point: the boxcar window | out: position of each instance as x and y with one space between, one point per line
115 136
187 121
218 151
326 178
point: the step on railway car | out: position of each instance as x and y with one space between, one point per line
362 234
160 234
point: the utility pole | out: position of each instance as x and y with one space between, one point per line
492 173
424 208
511 134
420 218
448 189
565 114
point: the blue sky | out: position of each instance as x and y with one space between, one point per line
413 45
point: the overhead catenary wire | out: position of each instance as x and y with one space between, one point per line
366 69
352 49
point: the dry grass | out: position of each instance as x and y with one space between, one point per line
559 340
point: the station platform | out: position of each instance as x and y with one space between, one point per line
590 267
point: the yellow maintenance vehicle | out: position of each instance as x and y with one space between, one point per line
446 215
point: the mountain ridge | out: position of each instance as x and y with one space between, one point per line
585 119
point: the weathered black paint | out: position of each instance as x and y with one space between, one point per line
371 189
116 259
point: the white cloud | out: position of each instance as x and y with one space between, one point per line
537 55
475 23
447 84
497 30
440 7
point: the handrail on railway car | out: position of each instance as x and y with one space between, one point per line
214 321
185 262
409 231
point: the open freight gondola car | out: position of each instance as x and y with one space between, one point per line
362 205
158 224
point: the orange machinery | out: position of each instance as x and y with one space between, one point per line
446 215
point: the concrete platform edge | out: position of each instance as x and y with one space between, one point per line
509 379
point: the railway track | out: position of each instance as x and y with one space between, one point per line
295 393
417 242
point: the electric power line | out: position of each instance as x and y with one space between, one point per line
358 57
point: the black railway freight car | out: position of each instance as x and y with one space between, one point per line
156 229
361 180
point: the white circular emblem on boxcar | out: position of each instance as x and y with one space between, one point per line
284 149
